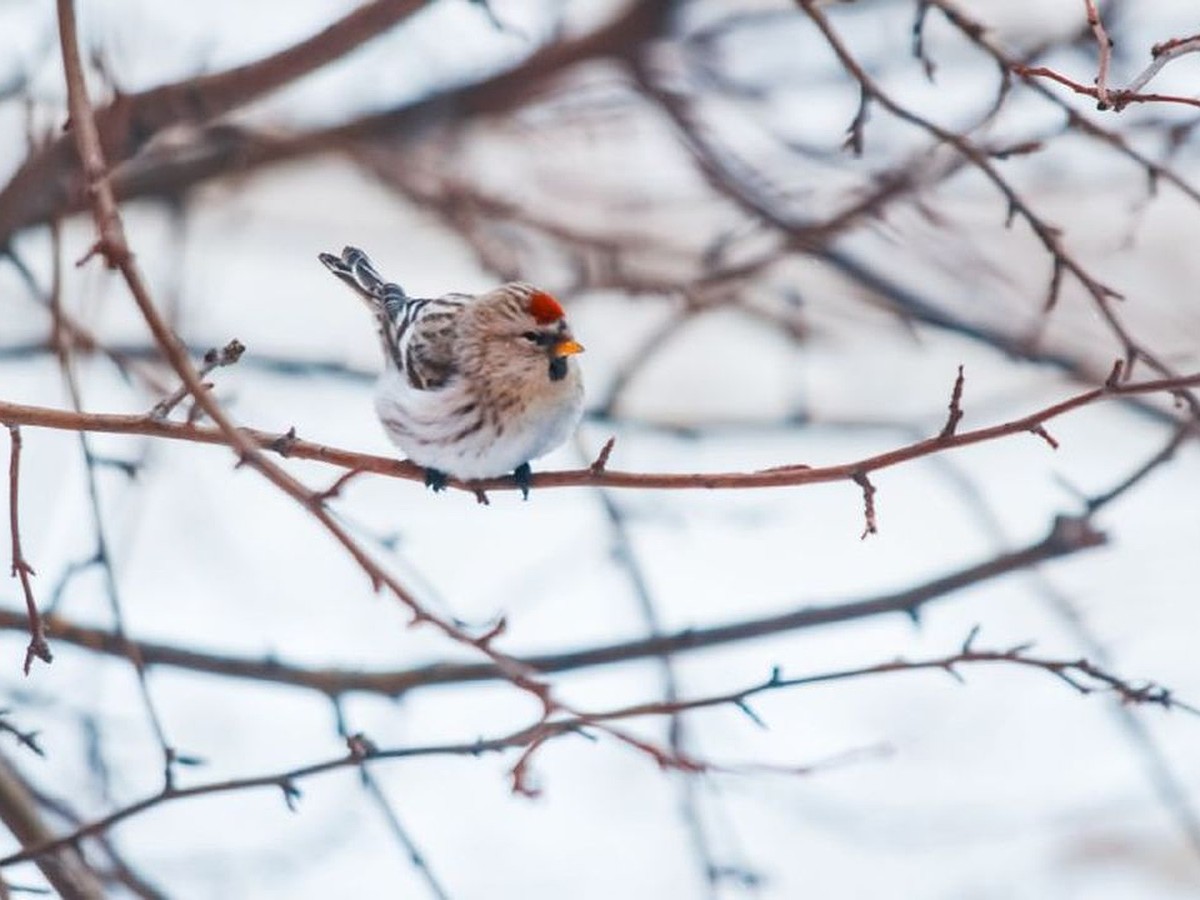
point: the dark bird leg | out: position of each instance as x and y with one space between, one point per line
523 476
435 479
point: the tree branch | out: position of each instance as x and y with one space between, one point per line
20 568
62 865
51 182
1079 674
781 476
1067 537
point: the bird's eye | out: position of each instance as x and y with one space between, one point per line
532 336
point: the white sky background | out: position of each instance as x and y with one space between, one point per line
1009 787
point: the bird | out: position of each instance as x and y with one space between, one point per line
474 385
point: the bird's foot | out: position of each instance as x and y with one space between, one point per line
523 476
436 480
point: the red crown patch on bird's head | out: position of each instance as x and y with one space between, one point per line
544 308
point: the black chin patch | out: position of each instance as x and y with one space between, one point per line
558 368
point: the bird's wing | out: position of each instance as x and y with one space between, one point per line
427 340
418 334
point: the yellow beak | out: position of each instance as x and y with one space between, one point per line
567 348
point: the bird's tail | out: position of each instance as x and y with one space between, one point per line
354 268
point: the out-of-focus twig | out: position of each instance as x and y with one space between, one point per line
38 646
1080 675
52 180
1049 236
62 865
1067 537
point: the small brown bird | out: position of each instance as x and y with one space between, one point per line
474 386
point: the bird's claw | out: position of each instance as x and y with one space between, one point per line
523 476
435 480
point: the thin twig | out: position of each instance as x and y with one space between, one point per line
103 556
38 647
956 413
626 557
1117 100
51 179
1104 44
1079 674
983 37
778 476
868 490
213 359
1048 235
1067 537
359 745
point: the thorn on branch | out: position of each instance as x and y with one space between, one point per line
1113 382
113 254
485 639
1040 431
27 739
956 412
868 489
1025 148
291 793
601 461
336 488
521 775
284 443
968 644
754 717
918 39
1056 279
948 668
1131 358
854 134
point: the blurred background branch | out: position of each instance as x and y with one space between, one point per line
779 228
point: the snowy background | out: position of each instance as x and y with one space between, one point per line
1011 786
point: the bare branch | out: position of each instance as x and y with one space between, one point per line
779 476
50 181
1081 675
20 568
1104 43
213 359
868 490
1067 537
956 412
